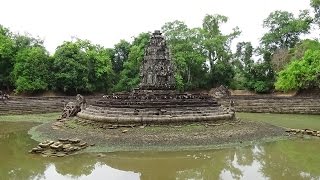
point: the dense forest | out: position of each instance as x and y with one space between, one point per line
202 56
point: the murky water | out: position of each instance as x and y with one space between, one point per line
289 159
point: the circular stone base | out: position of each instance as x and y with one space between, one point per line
156 119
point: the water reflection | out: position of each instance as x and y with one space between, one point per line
99 171
291 159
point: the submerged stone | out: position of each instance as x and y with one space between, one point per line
58 148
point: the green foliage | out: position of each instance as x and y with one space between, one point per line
284 29
194 49
70 68
282 57
315 4
255 76
243 62
31 70
121 54
260 77
298 51
301 74
100 72
189 61
129 76
82 67
10 47
216 47
284 32
7 52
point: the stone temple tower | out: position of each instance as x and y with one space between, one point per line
156 101
157 71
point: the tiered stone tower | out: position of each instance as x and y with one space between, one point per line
157 71
155 101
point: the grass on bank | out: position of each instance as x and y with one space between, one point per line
30 117
297 121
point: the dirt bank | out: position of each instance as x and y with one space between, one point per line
159 137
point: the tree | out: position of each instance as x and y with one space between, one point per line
82 67
70 66
26 41
282 57
284 32
301 73
216 47
10 45
32 70
315 4
100 72
121 53
284 29
129 76
188 59
243 63
7 52
252 75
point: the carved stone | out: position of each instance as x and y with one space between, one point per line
71 109
3 97
220 92
157 71
156 101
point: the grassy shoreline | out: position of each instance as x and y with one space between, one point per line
296 121
39 118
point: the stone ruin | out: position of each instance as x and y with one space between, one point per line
220 92
156 71
71 109
156 101
59 148
4 97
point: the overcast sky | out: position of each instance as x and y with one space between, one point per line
105 22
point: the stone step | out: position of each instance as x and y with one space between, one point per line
151 112
155 119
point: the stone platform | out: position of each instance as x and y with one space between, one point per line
156 107
155 101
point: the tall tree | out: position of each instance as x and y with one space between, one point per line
301 73
283 33
188 58
70 66
129 76
315 4
31 71
284 29
82 67
243 63
100 72
216 47
121 53
7 52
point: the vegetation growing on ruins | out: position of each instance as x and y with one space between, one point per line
202 57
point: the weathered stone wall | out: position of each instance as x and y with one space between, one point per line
35 105
273 104
262 104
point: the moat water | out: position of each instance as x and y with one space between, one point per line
286 159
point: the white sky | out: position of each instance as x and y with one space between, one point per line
106 22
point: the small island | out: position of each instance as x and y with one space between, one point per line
154 116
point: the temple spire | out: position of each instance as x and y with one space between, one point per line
157 72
